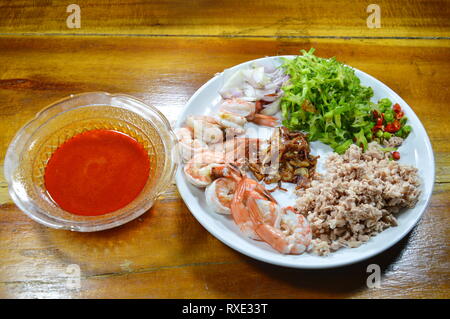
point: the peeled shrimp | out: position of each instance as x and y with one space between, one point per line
254 210
238 107
187 145
219 194
247 188
265 120
240 151
205 166
232 122
291 234
203 118
198 170
259 217
238 111
205 128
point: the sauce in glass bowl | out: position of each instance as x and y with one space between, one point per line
91 161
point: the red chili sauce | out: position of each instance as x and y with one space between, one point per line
97 172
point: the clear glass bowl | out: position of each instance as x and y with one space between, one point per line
31 148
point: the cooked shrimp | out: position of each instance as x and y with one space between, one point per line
240 151
265 120
290 235
270 212
184 134
238 107
247 188
205 128
203 118
198 170
237 151
232 122
233 113
237 111
219 194
187 145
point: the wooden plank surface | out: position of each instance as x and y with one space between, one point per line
301 18
162 53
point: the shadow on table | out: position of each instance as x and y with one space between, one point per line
342 280
257 279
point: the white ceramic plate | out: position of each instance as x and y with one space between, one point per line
416 151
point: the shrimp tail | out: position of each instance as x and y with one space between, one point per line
271 235
265 120
240 213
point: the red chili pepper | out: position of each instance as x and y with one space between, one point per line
397 125
397 108
399 115
396 155
375 114
379 121
377 127
389 128
392 127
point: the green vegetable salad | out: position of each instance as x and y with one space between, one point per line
326 99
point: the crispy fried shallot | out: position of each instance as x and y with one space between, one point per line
286 159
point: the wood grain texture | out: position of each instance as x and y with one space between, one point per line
231 18
166 253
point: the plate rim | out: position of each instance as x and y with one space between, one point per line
336 264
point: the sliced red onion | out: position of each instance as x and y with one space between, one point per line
256 77
249 91
272 86
231 93
232 84
269 66
261 81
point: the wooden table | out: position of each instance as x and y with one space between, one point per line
162 53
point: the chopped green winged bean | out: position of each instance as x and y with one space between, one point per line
341 112
389 116
384 104
343 108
